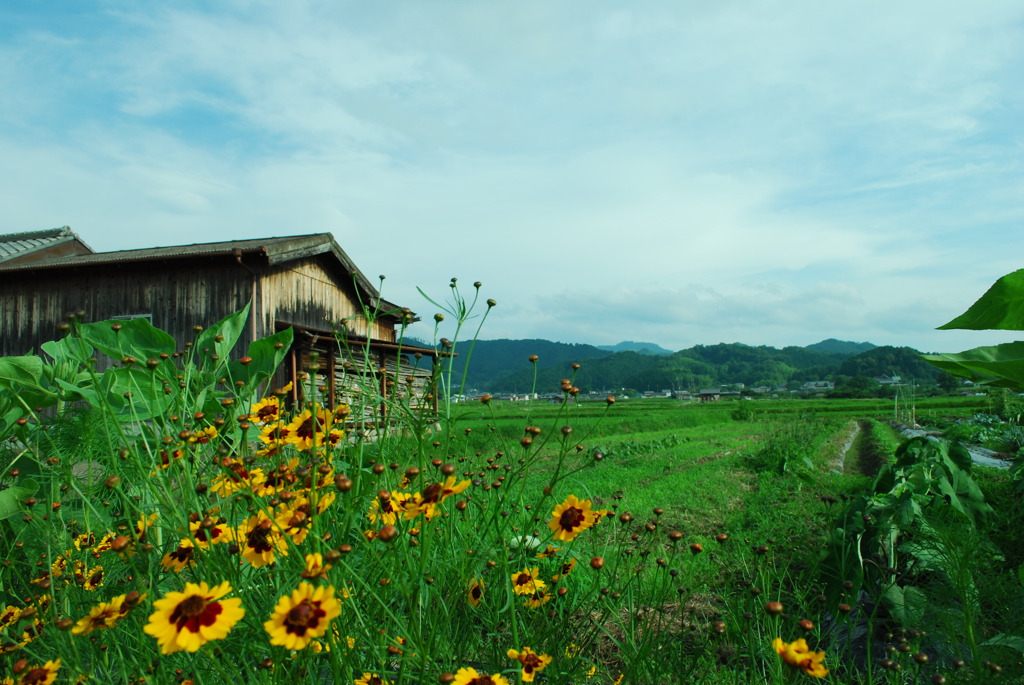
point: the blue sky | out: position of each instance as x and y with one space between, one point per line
676 172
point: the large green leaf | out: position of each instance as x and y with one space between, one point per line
135 337
27 370
265 354
906 604
1000 308
996 365
11 498
70 348
228 329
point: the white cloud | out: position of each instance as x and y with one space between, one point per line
770 172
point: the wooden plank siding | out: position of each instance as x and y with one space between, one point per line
303 282
306 294
33 303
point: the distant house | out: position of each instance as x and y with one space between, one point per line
817 386
304 282
710 395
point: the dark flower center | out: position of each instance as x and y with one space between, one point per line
194 611
571 518
303 617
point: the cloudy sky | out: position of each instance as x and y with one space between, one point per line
684 172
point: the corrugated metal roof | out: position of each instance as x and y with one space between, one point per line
18 244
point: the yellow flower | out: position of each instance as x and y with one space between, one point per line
549 551
266 410
102 616
260 541
798 655
106 614
537 599
469 676
571 517
372 679
385 511
182 556
40 675
302 616
564 570
207 536
188 620
532 662
309 429
236 477
315 566
476 592
203 436
526 582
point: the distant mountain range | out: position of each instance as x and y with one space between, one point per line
504 366
638 347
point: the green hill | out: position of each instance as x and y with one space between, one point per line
504 366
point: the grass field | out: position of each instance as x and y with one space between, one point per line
636 541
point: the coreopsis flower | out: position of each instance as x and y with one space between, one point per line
571 517
180 557
372 679
9 616
315 566
450 488
385 511
469 676
564 570
260 541
166 458
475 592
267 410
538 599
548 551
57 568
207 536
533 663
275 433
202 437
412 506
187 620
526 582
144 525
236 477
39 675
282 477
798 655
84 540
302 616
102 616
295 522
309 429
91 579
104 545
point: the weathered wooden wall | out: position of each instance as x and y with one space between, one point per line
33 303
179 295
306 294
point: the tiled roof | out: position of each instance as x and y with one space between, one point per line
19 244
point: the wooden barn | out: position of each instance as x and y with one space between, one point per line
304 282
